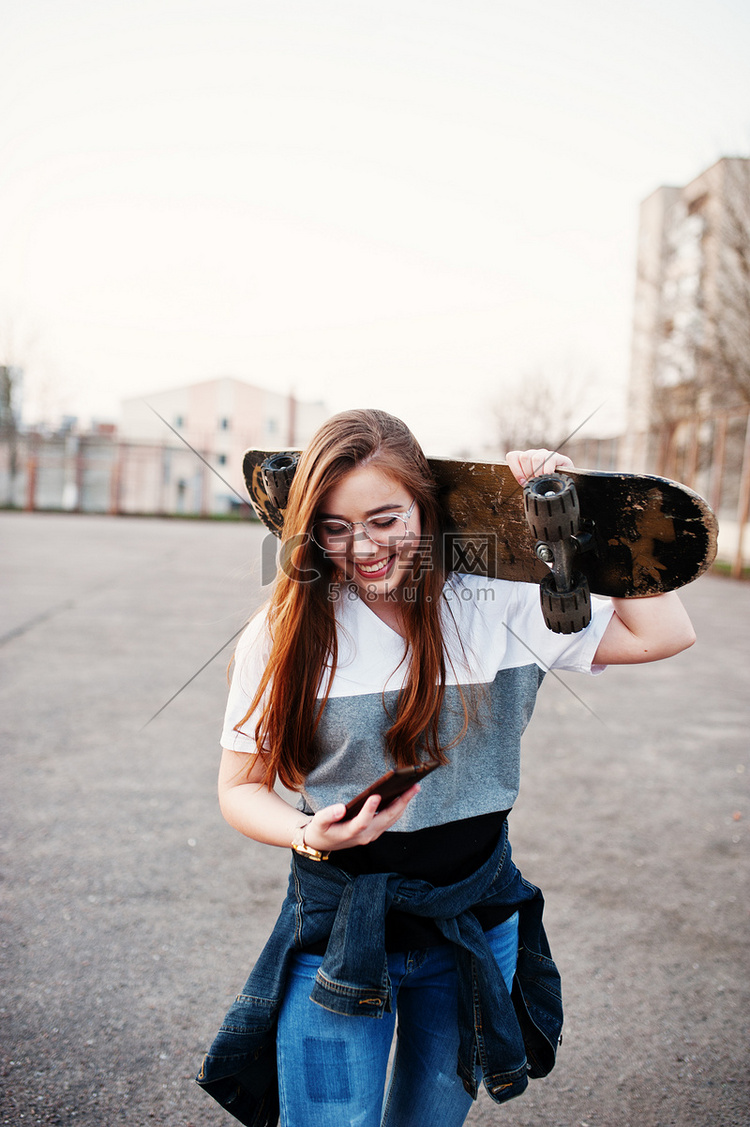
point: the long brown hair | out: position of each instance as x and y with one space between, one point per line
301 616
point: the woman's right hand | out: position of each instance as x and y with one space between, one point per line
327 832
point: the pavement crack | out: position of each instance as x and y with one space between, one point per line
37 620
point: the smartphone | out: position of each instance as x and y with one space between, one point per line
389 787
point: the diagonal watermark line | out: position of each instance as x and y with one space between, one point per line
205 463
191 679
549 669
244 501
580 426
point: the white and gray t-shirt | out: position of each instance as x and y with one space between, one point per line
504 647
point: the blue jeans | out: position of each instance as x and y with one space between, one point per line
333 1067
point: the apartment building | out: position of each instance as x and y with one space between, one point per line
691 328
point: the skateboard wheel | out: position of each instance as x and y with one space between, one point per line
566 612
551 506
278 472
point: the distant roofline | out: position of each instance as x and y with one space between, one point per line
684 187
283 393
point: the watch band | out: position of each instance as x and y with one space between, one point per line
300 846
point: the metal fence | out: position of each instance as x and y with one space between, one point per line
98 474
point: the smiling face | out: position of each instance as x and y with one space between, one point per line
365 493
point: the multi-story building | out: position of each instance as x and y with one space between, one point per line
219 419
691 330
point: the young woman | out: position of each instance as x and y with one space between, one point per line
371 656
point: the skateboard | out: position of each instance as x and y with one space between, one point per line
575 534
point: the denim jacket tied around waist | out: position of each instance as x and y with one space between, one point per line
513 1036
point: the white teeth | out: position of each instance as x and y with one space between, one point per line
370 569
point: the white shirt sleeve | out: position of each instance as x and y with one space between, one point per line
250 658
531 637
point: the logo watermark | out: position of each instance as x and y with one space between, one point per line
473 554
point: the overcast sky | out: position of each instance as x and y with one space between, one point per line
413 204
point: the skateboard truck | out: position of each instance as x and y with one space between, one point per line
278 472
553 515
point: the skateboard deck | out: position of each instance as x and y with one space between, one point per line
645 534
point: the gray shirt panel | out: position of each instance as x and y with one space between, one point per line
484 770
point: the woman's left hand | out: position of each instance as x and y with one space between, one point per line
327 830
526 464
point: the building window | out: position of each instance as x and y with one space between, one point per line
223 424
179 421
697 204
221 459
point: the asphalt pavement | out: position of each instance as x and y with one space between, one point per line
131 913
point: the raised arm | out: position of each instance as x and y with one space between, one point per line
641 630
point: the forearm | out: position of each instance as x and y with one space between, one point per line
260 813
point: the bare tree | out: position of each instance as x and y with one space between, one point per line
541 410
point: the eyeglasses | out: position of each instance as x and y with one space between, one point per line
384 529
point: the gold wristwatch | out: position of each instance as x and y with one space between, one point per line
299 846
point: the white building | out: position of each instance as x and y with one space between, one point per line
219 419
